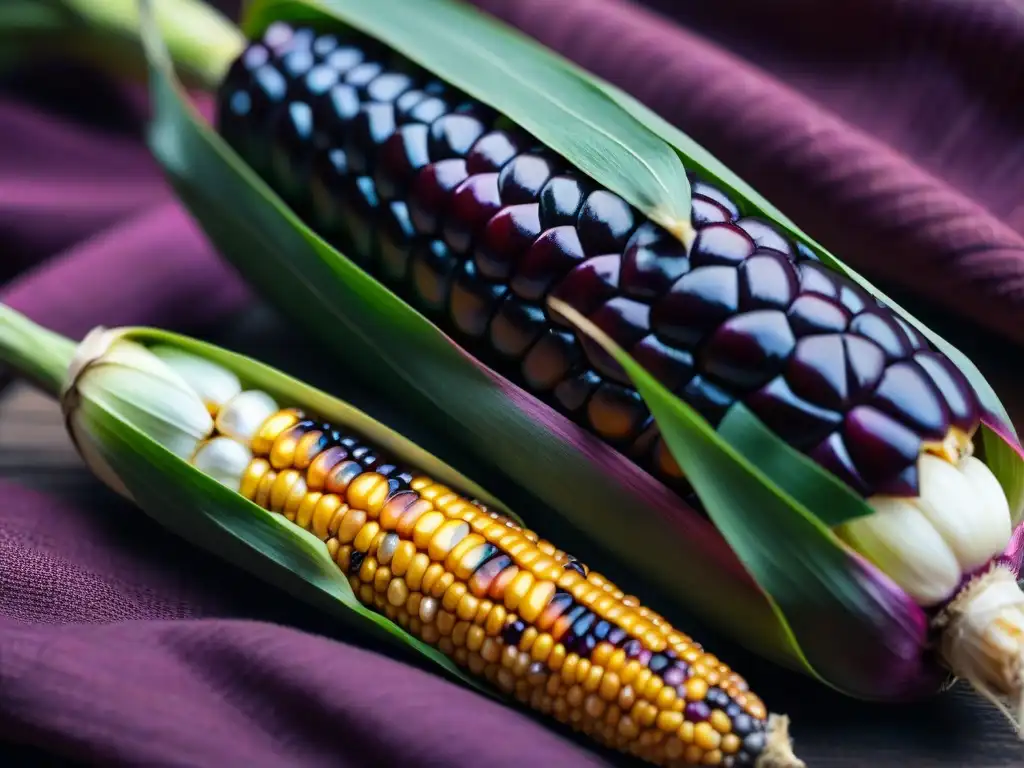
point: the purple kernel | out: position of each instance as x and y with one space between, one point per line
491 152
879 446
605 223
672 367
798 422
697 711
521 179
816 278
765 235
705 190
749 349
454 135
721 244
431 193
696 304
588 286
704 212
473 204
549 259
833 456
956 391
505 239
652 262
906 393
560 201
884 331
767 281
810 314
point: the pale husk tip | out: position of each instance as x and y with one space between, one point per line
778 752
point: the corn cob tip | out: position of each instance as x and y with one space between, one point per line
778 751
982 640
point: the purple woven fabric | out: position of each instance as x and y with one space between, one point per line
887 129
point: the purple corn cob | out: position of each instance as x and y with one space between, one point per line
475 223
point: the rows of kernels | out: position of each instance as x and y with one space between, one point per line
506 604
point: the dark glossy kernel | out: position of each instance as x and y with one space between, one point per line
743 725
675 675
550 359
484 580
749 349
815 278
633 648
832 455
588 286
884 331
395 240
811 314
431 270
296 63
522 179
373 126
338 109
854 298
559 603
626 321
672 367
324 44
704 212
755 743
407 101
703 189
707 398
831 370
513 632
956 391
652 262
617 636
603 628
515 326
659 662
800 423
768 280
359 219
431 193
425 111
721 244
879 445
505 240
361 75
291 151
907 393
803 253
697 303
344 60
473 300
320 80
574 392
552 256
605 223
717 699
560 201
765 235
355 561
400 159
474 203
491 152
453 136
697 711
388 87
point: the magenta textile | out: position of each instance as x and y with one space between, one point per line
892 131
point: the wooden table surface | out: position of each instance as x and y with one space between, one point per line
955 729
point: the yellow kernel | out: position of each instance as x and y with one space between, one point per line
556 658
491 650
630 671
569 668
582 669
402 559
365 536
304 512
720 721
413 604
644 713
262 495
366 593
542 647
730 743
674 748
398 592
696 689
686 732
445 538
475 638
593 680
706 737
476 664
425 527
420 482
616 660
459 632
640 681
495 620
430 634
669 721
282 453
453 595
693 754
653 687
602 653
445 646
714 757
366 573
467 608
522 667
382 578
553 685
454 561
666 698
574 696
609 689
417 571
393 510
626 697
594 706
410 518
432 490
628 728
252 476
539 596
509 656
324 512
528 639
444 581
332 548
517 589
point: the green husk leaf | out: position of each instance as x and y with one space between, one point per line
383 340
520 78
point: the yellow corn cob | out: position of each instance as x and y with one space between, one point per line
492 596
